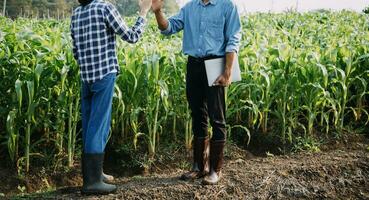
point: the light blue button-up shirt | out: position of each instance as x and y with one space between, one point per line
211 29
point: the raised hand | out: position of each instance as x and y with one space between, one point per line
157 5
145 6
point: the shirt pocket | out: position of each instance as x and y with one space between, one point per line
215 29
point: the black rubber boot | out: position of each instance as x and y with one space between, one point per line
92 165
216 162
200 166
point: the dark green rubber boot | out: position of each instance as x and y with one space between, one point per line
92 165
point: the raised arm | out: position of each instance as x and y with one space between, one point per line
75 55
116 22
173 24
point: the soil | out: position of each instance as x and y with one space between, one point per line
339 171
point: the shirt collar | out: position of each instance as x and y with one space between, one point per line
213 2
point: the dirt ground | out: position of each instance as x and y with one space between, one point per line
335 173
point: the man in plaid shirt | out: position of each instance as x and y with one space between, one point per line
94 25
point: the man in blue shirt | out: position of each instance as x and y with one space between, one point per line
211 30
94 25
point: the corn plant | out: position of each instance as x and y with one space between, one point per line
304 76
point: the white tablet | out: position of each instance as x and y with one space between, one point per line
215 67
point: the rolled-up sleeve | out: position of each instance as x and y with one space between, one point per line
233 29
175 23
116 22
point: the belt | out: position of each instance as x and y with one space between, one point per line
194 59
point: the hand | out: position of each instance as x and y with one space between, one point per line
145 6
223 80
157 5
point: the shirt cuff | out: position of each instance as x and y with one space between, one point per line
141 20
232 48
168 30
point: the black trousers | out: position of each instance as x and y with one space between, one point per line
205 102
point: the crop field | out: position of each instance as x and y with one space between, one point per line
305 83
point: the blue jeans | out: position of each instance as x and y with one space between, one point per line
97 100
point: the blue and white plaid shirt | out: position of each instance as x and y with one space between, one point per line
93 29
